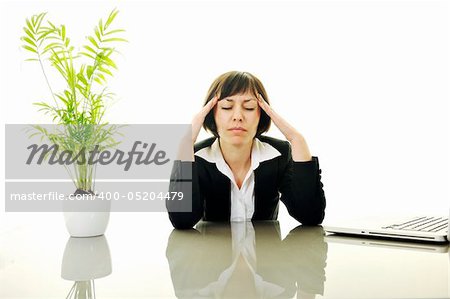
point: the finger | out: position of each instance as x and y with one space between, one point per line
211 103
214 101
261 100
262 103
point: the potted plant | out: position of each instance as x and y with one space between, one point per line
78 109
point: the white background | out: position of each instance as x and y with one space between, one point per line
366 82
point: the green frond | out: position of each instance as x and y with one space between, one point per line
97 33
81 77
111 17
63 32
115 39
60 69
64 100
44 34
100 26
52 47
109 62
89 71
33 20
92 40
114 31
52 25
87 55
29 33
101 76
29 41
57 37
30 26
29 48
96 79
105 70
39 19
43 104
90 49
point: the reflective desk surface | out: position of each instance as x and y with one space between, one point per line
141 256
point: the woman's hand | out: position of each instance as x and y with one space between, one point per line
199 118
186 147
300 150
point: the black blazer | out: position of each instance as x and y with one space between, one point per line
298 182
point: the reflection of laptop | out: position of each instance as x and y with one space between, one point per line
390 244
392 268
422 228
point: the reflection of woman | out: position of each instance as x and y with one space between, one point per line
245 260
238 174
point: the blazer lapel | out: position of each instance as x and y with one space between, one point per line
265 188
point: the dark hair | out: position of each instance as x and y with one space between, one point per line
232 83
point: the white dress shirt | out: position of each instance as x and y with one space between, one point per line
243 199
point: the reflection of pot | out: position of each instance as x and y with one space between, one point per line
86 259
86 215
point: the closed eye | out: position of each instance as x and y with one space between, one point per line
229 108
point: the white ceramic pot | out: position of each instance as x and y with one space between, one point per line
90 223
86 224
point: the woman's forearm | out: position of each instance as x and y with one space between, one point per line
300 150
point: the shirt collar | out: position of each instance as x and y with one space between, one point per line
261 151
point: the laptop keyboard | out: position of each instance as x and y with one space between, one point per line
422 224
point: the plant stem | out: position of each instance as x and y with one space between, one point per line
46 79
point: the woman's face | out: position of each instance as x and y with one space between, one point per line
237 118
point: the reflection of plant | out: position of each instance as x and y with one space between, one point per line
82 289
81 105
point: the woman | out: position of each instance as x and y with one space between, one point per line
238 174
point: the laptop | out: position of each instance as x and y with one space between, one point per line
419 228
